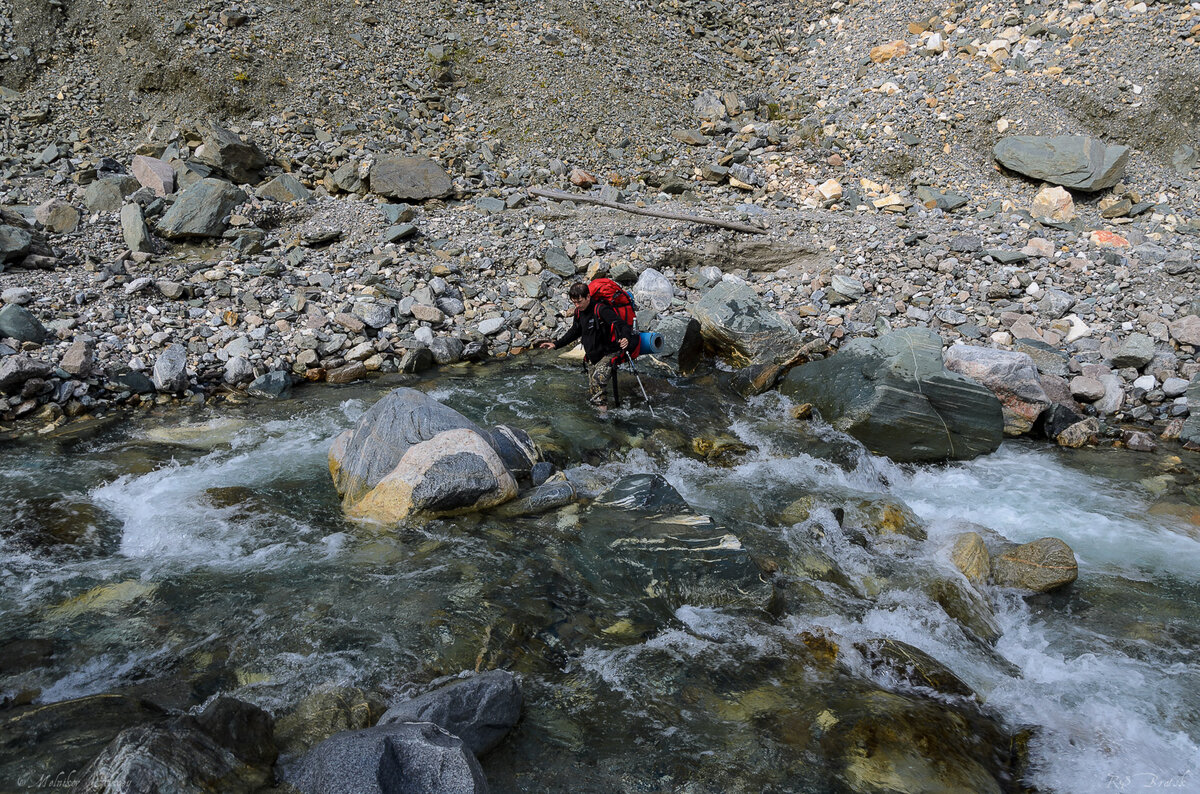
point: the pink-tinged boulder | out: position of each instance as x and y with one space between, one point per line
1186 330
1009 375
581 178
1106 239
155 174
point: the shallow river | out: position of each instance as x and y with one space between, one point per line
183 555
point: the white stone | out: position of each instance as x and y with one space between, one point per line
1145 382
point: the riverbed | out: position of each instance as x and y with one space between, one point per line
200 551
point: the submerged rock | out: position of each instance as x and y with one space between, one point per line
228 748
913 665
325 713
894 395
666 553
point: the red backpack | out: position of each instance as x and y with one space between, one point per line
610 292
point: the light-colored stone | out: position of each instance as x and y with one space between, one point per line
970 556
1040 566
155 174
1054 203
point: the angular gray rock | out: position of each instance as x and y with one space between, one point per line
14 243
742 328
894 395
1073 161
409 178
17 322
1055 303
227 151
201 209
400 758
1136 350
275 385
15 370
284 188
446 349
170 370
1009 375
133 229
57 216
480 710
683 342
238 370
1191 427
108 194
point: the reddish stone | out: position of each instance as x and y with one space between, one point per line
1105 239
581 178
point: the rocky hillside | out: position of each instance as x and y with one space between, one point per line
861 136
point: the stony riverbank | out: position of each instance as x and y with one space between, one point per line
860 139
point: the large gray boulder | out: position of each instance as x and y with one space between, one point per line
170 370
683 343
741 328
228 748
200 210
14 243
18 323
1011 376
409 454
225 150
894 395
409 178
398 758
1073 161
480 710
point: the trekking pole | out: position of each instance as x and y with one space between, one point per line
629 358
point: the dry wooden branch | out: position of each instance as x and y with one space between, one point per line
558 195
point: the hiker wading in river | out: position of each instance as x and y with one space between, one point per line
605 336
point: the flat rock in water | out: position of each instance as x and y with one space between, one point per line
743 329
409 178
1010 375
480 709
399 758
1074 161
894 395
1040 565
653 550
200 210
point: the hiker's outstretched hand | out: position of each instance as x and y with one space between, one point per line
624 343
545 345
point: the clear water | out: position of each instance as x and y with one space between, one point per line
181 556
